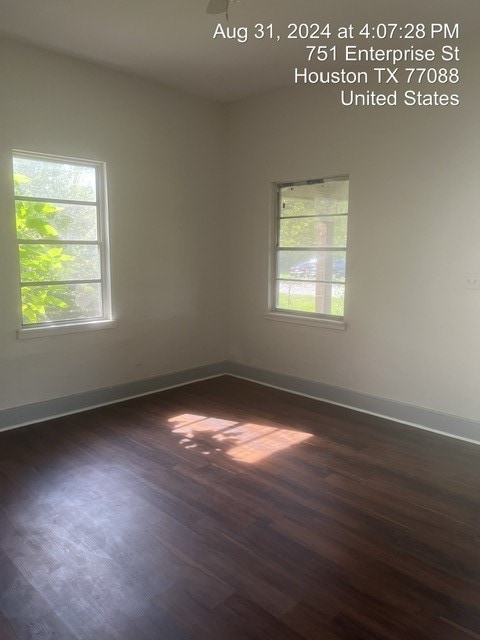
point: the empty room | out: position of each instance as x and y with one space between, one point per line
239 320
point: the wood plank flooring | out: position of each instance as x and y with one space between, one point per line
227 510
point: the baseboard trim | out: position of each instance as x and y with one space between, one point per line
58 407
414 416
427 419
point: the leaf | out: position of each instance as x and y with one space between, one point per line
54 252
44 207
19 178
29 313
57 302
51 208
46 230
50 230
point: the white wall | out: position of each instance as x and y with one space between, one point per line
413 329
164 151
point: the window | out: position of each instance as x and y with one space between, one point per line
311 248
60 211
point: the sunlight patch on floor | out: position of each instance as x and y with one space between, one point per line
248 442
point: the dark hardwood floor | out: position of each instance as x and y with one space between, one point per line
227 510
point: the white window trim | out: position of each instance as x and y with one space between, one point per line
82 324
285 315
53 329
312 321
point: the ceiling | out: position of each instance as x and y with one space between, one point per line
171 41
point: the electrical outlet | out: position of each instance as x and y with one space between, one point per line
472 281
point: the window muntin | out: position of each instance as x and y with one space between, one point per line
311 248
60 212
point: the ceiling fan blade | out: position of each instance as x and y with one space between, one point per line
217 6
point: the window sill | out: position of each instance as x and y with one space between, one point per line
340 325
57 329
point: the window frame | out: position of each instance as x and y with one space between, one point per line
105 320
291 315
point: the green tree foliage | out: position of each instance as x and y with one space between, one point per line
40 262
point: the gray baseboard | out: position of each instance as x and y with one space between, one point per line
41 411
438 422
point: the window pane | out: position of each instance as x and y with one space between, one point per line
311 297
43 220
47 179
40 262
53 303
314 232
311 265
329 198
294 205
